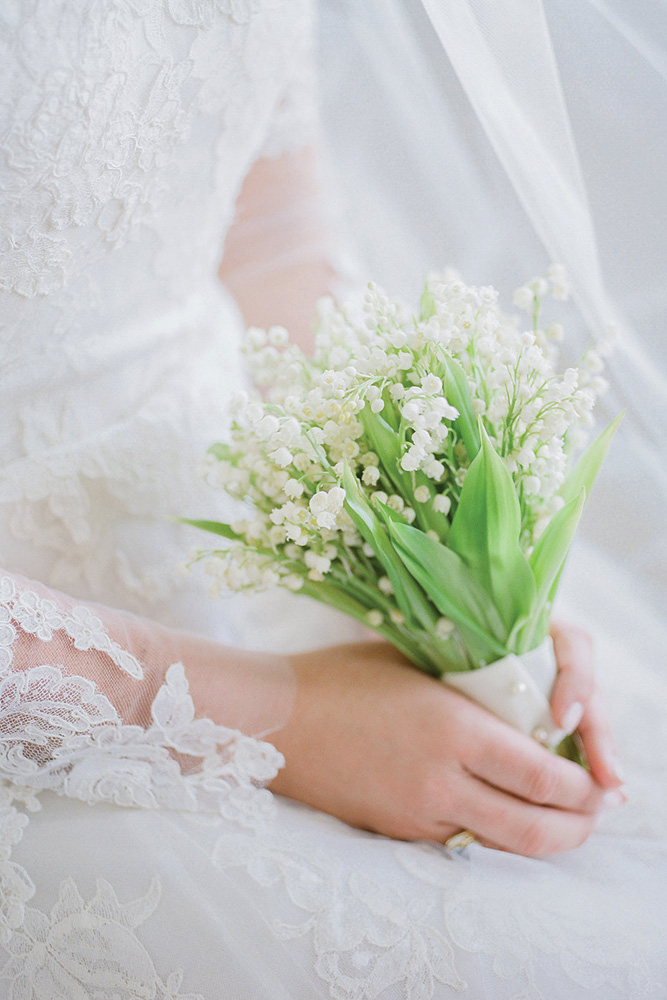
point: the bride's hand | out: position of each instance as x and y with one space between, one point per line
386 748
576 702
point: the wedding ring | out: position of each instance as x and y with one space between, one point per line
459 841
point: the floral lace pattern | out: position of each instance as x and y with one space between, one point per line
367 936
81 945
126 129
60 732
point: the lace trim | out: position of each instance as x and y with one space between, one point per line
81 945
41 617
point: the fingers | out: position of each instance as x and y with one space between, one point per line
576 703
596 735
521 827
575 680
517 764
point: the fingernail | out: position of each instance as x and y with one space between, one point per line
616 768
610 800
572 717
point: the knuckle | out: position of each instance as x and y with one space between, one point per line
541 783
430 794
534 839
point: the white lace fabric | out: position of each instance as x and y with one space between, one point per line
102 720
140 856
126 129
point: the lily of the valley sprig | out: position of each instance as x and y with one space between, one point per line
417 473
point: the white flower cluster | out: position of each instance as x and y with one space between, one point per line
374 398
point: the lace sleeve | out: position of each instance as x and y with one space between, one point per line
104 706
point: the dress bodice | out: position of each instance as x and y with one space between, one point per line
126 129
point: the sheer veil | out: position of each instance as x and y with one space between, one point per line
498 138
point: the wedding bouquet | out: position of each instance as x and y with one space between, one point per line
417 474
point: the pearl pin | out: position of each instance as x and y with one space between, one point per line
520 687
540 734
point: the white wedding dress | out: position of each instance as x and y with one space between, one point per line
138 857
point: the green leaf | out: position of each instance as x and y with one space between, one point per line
553 546
585 472
452 588
386 443
457 392
485 534
426 304
216 527
409 596
337 598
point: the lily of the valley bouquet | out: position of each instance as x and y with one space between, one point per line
416 473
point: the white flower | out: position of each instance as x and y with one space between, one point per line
281 456
278 336
319 563
524 298
256 337
433 468
441 503
410 410
444 627
293 489
374 618
397 617
411 460
267 427
385 585
422 494
431 383
370 475
377 405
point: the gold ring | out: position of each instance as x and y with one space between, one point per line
459 841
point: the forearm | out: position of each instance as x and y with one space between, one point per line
279 253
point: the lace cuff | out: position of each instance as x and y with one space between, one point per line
95 704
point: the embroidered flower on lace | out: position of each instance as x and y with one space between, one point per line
86 948
7 638
36 615
59 731
42 617
204 12
16 886
489 908
367 936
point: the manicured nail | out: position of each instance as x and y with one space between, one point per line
572 717
616 768
610 800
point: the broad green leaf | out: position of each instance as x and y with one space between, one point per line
452 588
216 527
585 472
457 392
409 596
553 546
485 534
386 443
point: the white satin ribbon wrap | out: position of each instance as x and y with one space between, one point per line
517 689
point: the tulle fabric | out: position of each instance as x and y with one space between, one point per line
434 173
